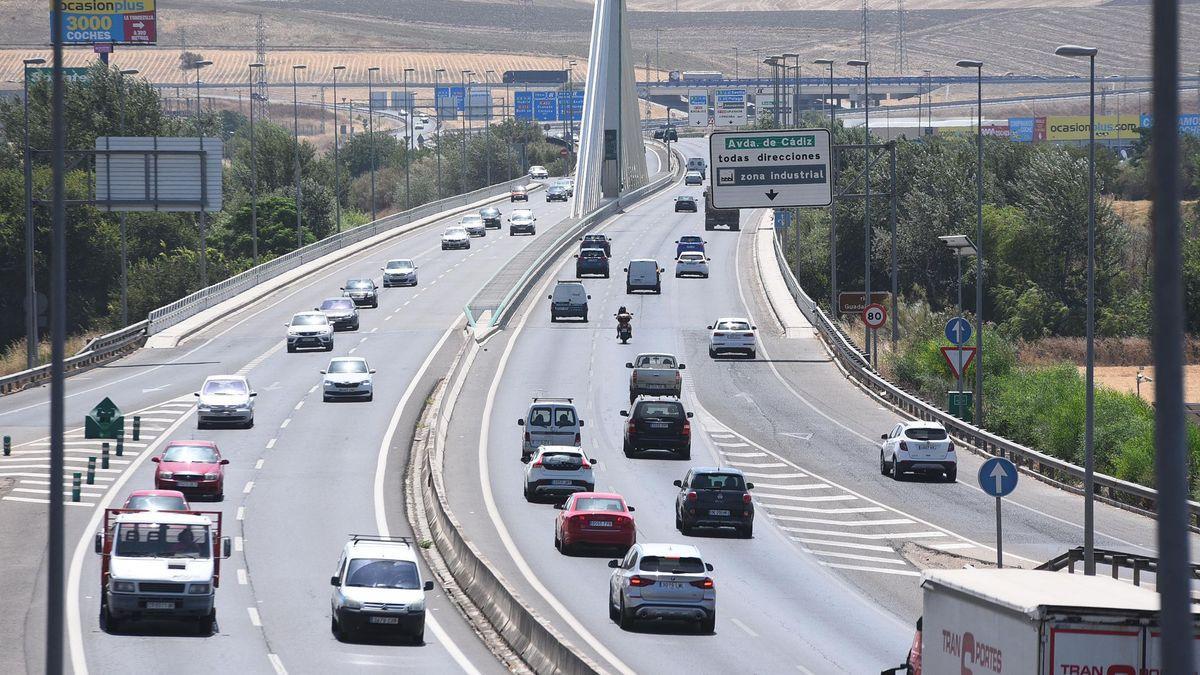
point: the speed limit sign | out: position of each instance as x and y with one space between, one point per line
874 315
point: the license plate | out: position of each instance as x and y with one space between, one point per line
718 512
659 425
160 605
600 523
671 585
188 483
560 482
383 619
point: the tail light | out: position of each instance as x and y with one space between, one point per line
692 496
746 498
950 447
747 334
706 582
577 439
678 377
578 519
633 378
640 581
719 333
584 464
537 464
687 428
903 446
631 428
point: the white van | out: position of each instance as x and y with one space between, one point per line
697 164
643 275
569 299
549 421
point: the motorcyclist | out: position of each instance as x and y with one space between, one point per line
624 321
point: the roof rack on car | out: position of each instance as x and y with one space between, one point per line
553 398
376 537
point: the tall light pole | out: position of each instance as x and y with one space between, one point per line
792 96
203 214
371 132
297 67
978 66
408 131
462 174
1089 551
337 167
121 215
773 61
437 131
31 313
254 170
487 120
866 66
833 303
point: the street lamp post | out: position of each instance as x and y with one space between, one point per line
371 133
773 61
487 120
337 167
437 131
121 215
31 313
792 96
296 152
1089 551
833 303
978 66
254 168
462 174
408 131
203 214
866 66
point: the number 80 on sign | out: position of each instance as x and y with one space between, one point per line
874 316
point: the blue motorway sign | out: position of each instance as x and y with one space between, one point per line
958 330
570 104
545 106
998 477
523 105
1188 124
783 219
456 93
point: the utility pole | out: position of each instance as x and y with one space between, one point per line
337 167
31 311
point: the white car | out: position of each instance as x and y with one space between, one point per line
691 264
538 172
348 377
521 220
918 447
377 587
225 399
399 272
693 178
557 471
309 329
455 236
473 224
732 335
657 582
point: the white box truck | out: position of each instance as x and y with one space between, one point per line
993 622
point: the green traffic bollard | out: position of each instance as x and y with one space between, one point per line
91 477
104 455
76 478
137 427
7 446
120 446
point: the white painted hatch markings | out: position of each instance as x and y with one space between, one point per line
241 576
254 618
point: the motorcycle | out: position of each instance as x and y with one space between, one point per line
624 333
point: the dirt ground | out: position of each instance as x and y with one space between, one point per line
1123 378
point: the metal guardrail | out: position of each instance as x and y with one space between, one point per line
1108 489
1115 560
96 351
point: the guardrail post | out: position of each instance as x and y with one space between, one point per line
120 446
91 470
7 446
137 427
75 488
104 455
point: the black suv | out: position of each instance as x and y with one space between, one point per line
657 423
491 217
591 261
712 497
596 241
363 292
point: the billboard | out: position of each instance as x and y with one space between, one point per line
34 74
158 173
697 107
1026 129
86 22
729 108
1188 124
1076 127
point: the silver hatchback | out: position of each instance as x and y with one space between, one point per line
662 582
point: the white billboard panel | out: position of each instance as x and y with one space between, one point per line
697 107
729 107
146 173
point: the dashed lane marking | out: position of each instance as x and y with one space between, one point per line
880 570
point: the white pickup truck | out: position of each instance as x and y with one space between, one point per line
655 375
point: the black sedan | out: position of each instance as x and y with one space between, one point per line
491 217
363 292
685 203
556 193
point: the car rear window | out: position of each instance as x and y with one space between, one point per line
718 481
156 503
660 409
672 565
691 239
599 504
562 460
733 325
540 417
926 434
692 257
564 417
663 361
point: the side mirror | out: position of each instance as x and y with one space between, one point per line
749 486
196 393
223 462
520 423
560 506
428 586
883 437
254 393
334 581
589 297
626 269
371 371
381 269
709 327
549 297
614 564
630 508
525 460
677 483
676 241
683 366
624 413
226 547
708 566
576 255
341 288
580 424
593 460
316 309
323 372
689 415
99 543
156 460
753 327
628 364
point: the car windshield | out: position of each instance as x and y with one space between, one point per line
718 481
471 218
347 367
399 264
190 453
379 573
599 504
660 409
562 459
594 237
224 388
488 213
336 305
455 231
160 540
156 503
672 564
659 360
309 320
360 283
685 199
591 253
691 239
733 325
926 434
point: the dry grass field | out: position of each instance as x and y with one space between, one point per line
1122 378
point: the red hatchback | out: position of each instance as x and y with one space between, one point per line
194 467
156 500
594 518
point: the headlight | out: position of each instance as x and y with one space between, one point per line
210 476
367 383
328 384
204 406
417 606
166 474
352 604
199 589
122 586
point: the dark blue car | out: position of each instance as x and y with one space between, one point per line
591 261
689 242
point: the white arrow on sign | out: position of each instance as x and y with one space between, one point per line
139 24
999 474
958 358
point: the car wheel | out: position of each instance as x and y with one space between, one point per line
204 626
606 275
897 472
585 317
686 453
685 529
704 276
325 399
711 353
952 474
626 619
628 290
557 541
709 624
528 494
111 623
678 521
883 467
291 349
677 275
614 614
707 227
748 531
370 397
752 353
375 305
627 449
553 318
329 348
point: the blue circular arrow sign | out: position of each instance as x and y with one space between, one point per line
998 477
958 330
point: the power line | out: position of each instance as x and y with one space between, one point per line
260 95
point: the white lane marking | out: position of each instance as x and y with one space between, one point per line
744 628
863 535
864 568
720 434
32 500
241 513
285 423
774 475
238 543
255 619
759 496
744 454
863 558
786 486
381 523
731 445
362 340
372 330
814 509
951 545
66 493
352 350
845 544
74 619
258 464
389 316
300 404
241 576
844 523
270 444
249 486
277 664
757 465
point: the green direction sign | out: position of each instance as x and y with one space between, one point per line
770 169
69 74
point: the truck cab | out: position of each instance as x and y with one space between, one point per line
160 564
714 217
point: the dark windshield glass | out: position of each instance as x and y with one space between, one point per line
654 563
337 304
926 434
540 417
718 481
189 453
598 504
664 409
562 460
149 503
733 325
159 540
564 417
347 367
591 253
399 264
375 573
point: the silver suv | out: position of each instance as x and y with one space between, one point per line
377 586
309 329
657 582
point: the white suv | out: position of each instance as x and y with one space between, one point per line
662 582
918 446
732 335
558 470
309 329
377 585
538 172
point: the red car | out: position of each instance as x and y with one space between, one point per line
156 500
594 518
194 467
